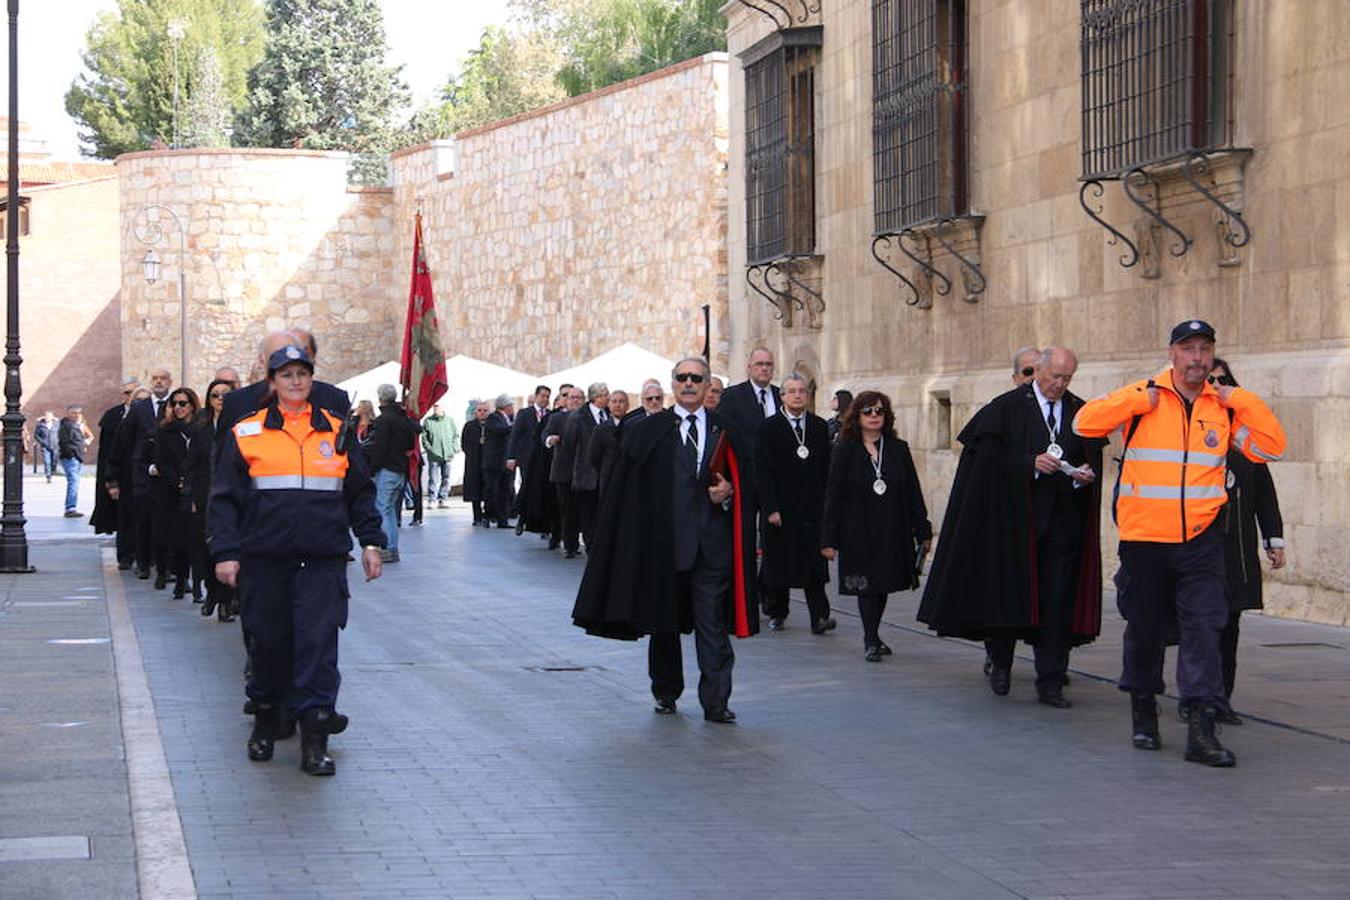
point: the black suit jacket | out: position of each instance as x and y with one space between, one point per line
524 431
1054 495
135 445
496 431
560 469
699 525
580 429
740 406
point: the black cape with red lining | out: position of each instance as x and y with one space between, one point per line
628 589
983 576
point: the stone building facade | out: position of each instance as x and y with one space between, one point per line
1046 272
558 234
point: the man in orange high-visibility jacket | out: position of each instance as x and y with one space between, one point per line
286 497
1178 429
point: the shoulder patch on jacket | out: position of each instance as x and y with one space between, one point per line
248 429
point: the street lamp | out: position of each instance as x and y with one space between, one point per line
150 231
13 538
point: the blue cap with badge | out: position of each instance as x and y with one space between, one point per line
287 355
1191 328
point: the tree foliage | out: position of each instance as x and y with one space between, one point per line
510 72
206 121
123 101
323 83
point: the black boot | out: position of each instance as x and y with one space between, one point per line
1144 712
314 758
209 604
266 723
1202 740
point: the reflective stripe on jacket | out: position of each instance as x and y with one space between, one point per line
282 489
1172 478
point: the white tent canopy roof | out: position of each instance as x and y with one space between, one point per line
625 367
468 378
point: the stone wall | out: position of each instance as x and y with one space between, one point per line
1279 304
68 295
559 234
274 237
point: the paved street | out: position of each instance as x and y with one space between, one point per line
496 751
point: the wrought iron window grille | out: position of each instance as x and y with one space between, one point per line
1155 110
784 13
919 144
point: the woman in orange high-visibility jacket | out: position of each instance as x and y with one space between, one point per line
285 499
1172 486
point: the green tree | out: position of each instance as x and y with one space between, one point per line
608 41
323 83
508 73
208 115
123 101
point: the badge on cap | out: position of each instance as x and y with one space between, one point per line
1195 326
293 352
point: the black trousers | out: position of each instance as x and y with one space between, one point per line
567 523
498 493
705 589
1181 583
1057 554
1228 644
871 607
126 527
477 507
293 611
147 552
775 600
583 515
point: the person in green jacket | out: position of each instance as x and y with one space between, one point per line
440 443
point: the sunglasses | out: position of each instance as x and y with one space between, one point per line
654 398
218 396
872 411
180 402
127 393
1226 380
695 377
1028 371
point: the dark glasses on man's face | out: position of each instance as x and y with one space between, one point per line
654 398
695 377
127 393
1028 371
872 411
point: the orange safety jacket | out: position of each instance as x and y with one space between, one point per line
281 488
1174 471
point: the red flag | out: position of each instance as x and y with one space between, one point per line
423 361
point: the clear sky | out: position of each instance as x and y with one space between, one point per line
427 37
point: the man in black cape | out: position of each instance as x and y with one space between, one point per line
674 545
1019 555
110 515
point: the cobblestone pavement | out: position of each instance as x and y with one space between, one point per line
496 751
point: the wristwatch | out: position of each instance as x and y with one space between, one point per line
370 547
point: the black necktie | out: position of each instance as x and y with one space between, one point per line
604 416
691 439
1050 419
797 427
763 402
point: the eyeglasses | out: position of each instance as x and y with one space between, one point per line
695 377
127 393
1028 371
180 402
218 396
872 411
654 398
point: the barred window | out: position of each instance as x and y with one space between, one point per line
918 111
780 175
1155 77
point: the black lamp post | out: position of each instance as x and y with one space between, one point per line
13 539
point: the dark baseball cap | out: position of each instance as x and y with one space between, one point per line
287 355
1191 328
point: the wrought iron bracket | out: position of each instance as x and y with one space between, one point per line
780 309
773 9
915 299
1230 215
973 279
783 283
930 271
1117 236
1138 175
808 298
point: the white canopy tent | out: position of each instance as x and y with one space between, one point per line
624 367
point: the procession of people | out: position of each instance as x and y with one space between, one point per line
700 509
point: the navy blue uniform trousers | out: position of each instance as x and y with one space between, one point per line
1181 584
292 610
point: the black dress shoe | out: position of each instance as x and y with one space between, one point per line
1054 698
1226 716
873 654
665 708
884 650
520 526
720 716
123 566
823 626
1000 680
161 581
142 574
570 554
775 624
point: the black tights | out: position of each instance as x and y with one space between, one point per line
871 607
